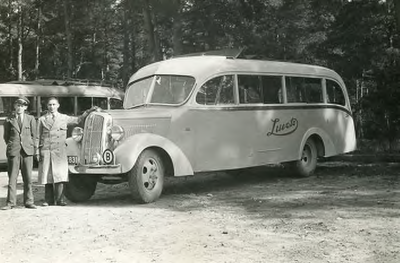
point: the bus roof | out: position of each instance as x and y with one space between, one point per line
43 88
202 67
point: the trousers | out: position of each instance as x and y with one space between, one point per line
54 193
15 163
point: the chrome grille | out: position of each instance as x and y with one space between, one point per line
92 139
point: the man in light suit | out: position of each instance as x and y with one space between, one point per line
20 136
53 163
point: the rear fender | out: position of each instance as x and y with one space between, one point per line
329 146
129 150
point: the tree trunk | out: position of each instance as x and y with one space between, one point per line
69 38
20 46
177 29
150 30
126 47
38 39
397 13
157 47
9 38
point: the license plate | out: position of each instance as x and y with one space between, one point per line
72 159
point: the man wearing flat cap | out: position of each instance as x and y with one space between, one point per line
20 137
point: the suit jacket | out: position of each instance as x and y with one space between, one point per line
17 138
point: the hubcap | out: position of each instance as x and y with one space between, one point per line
306 155
150 173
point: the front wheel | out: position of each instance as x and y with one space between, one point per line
146 179
306 165
80 188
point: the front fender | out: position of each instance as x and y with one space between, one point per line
129 150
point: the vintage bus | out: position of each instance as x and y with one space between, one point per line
75 97
196 114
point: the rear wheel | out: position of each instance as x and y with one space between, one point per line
308 162
80 188
146 179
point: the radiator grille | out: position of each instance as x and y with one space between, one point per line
92 140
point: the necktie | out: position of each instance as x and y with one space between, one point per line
19 121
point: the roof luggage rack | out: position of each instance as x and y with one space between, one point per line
65 82
228 53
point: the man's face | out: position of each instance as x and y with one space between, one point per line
52 106
20 107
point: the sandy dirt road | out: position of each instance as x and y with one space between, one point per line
345 213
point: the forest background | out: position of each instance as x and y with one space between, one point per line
109 40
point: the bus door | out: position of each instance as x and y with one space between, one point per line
261 98
222 129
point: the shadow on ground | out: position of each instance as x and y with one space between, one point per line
361 190
271 192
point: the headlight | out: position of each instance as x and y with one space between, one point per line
116 132
77 134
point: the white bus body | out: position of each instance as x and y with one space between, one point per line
207 113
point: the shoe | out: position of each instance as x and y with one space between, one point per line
7 207
31 206
45 204
61 203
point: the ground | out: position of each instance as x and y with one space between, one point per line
346 212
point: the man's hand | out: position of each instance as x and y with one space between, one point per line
94 108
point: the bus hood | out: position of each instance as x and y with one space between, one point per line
155 120
140 113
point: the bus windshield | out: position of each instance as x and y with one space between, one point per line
168 89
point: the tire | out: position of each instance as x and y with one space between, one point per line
80 188
306 165
146 179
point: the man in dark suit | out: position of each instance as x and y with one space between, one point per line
20 135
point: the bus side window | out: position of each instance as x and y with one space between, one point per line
100 102
216 91
3 107
32 107
272 89
308 90
250 90
294 90
116 104
7 106
334 93
66 105
84 103
313 89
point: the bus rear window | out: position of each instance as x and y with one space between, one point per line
334 93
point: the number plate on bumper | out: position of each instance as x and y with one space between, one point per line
72 159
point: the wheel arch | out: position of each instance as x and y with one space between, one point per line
129 150
323 142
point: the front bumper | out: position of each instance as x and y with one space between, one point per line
95 169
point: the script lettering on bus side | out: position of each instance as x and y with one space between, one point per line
283 128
